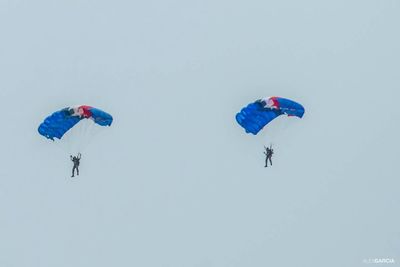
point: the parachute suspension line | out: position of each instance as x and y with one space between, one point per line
91 131
85 135
73 140
77 139
273 131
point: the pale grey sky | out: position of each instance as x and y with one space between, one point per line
175 181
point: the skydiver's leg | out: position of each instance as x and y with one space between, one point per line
73 171
77 170
266 162
270 161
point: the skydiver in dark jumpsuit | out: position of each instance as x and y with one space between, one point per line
76 162
268 155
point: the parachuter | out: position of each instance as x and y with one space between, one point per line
59 123
255 116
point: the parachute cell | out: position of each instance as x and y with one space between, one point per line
256 115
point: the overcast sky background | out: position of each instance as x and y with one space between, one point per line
176 181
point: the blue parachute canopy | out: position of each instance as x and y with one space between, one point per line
58 123
258 114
